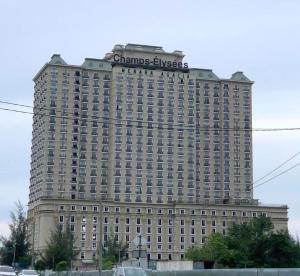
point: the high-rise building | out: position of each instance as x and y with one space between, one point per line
158 148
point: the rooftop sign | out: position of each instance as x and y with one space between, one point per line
155 62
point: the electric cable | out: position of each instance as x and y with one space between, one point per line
281 165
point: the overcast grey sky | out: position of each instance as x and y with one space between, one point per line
260 38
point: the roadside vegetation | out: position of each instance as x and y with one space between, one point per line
252 244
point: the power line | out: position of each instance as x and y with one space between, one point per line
285 171
15 110
268 180
282 164
130 120
11 103
180 128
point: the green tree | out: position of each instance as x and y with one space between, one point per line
40 265
15 248
61 266
113 251
215 249
193 253
250 244
283 250
60 247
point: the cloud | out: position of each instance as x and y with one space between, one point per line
294 227
4 229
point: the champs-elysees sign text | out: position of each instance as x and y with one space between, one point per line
157 62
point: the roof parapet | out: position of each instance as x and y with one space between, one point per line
146 48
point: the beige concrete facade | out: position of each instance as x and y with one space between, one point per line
138 132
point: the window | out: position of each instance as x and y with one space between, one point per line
81 255
61 219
